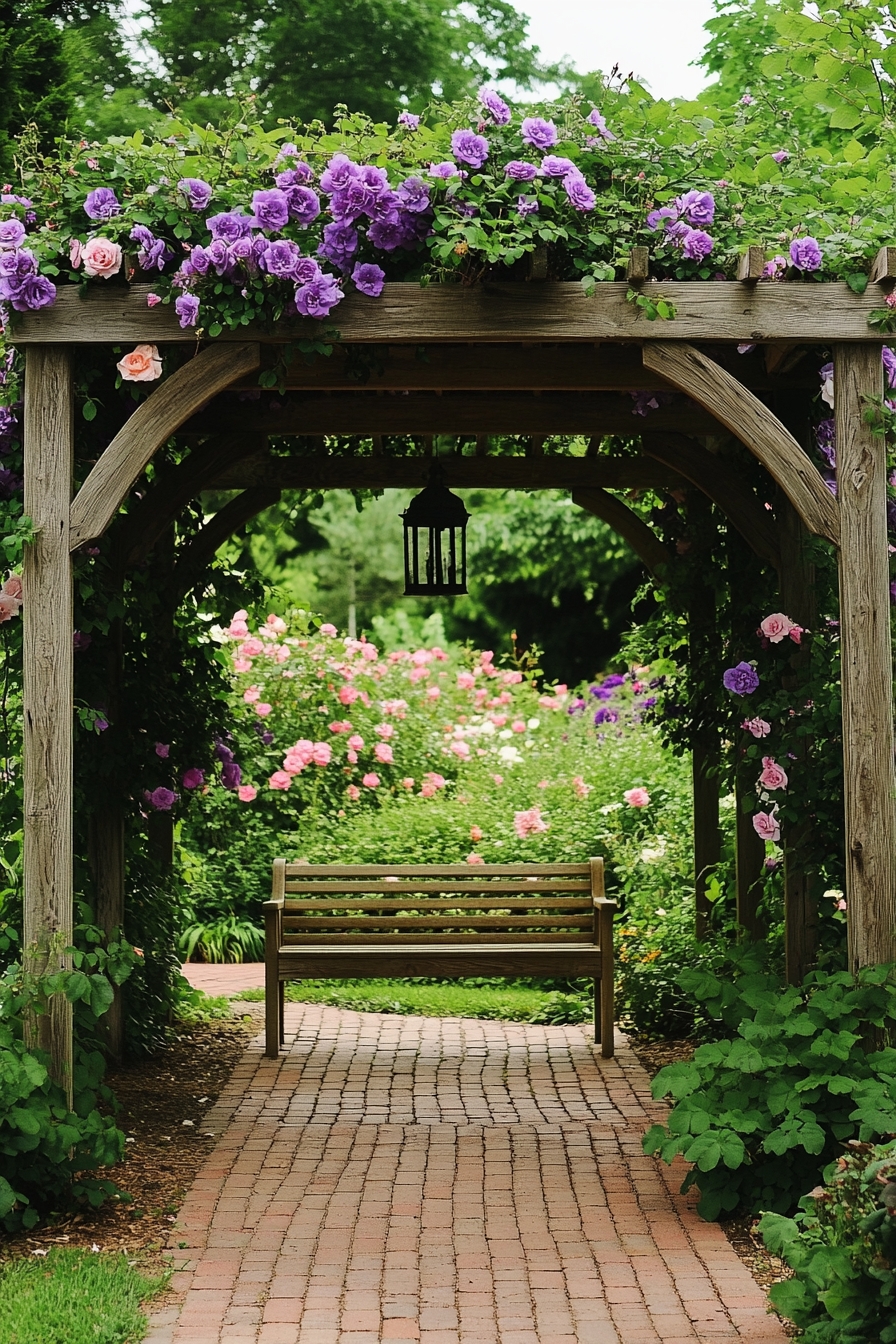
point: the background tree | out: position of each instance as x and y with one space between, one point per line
34 86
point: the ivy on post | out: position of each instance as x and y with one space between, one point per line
48 692
866 663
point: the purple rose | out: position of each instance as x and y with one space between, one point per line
445 170
102 203
695 245
369 279
197 192
161 799
540 133
597 121
805 254
338 173
387 234
580 195
35 292
781 156
339 244
303 204
667 214
243 250
226 228
280 259
385 206
271 209
219 256
825 437
774 269
469 147
307 270
740 680
520 171
287 151
605 715
162 750
612 680
496 107
15 269
318 297
554 166
409 120
413 194
187 308
12 233
199 260
696 207
153 253
193 779
231 775
526 205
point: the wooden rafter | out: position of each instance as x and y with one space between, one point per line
642 539
200 551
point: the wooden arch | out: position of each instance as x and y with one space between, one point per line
542 358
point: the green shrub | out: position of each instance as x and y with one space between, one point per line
762 1111
225 939
842 1249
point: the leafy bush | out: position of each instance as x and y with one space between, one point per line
226 939
842 1249
761 1112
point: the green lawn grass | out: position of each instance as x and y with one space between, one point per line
74 1297
492 999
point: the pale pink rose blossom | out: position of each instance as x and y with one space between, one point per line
238 629
421 657
371 781
498 720
529 822
384 730
101 257
465 681
9 607
263 710
322 754
383 753
280 780
580 788
475 859
407 782
369 652
247 793
277 624
353 792
152 301
518 726
475 834
348 695
765 824
251 694
351 756
330 631
418 674
772 777
499 780
758 727
13 587
433 693
242 665
142 365
637 797
340 726
75 248
776 627
251 648
461 749
356 742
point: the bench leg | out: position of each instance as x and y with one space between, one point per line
271 1019
596 1001
607 1016
282 1005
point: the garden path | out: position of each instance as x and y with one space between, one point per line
450 1181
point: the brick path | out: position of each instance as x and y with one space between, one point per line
449 1181
225 979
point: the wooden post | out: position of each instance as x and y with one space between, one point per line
749 855
707 836
48 690
869 784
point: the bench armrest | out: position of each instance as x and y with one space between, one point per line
601 902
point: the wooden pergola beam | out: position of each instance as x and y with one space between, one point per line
210 538
716 311
642 539
459 413
749 420
474 473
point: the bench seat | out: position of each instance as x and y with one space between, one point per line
366 921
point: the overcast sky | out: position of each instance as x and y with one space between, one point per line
655 39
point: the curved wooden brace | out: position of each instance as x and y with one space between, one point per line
208 539
642 539
164 500
151 425
756 427
722 484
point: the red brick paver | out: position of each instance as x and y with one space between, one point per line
447 1181
228 979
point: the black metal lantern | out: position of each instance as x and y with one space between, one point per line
441 518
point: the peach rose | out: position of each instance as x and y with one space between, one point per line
13 587
9 607
101 258
142 365
776 627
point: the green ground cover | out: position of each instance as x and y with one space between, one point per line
505 1001
74 1297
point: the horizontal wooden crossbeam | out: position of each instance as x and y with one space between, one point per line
725 311
595 413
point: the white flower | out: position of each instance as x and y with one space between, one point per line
505 733
610 807
532 723
661 912
510 755
827 391
653 855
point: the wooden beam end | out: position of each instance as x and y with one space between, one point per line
750 265
638 267
883 267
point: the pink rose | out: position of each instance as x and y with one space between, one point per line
475 834
758 727
355 742
407 782
9 607
13 587
581 789
765 824
263 710
348 695
369 652
637 797
351 756
384 730
280 780
475 858
242 665
529 822
251 694
498 720
465 681
142 365
247 793
328 630
383 753
499 780
460 749
152 301
353 792
772 777
277 624
101 257
251 648
433 693
322 753
371 781
776 627
340 726
74 252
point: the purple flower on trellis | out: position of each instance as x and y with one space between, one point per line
153 253
445 170
197 192
281 258
369 279
413 194
597 121
580 195
303 204
741 679
229 226
469 147
339 244
696 207
496 106
805 254
526 205
101 203
781 156
605 715
520 171
187 308
409 120
538 132
193 778
161 799
338 173
696 245
553 165
318 297
12 233
270 209
665 215
231 775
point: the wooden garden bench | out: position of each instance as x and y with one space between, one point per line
356 921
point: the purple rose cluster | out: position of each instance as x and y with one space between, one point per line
683 222
20 283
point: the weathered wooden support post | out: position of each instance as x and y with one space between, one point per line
869 783
749 863
707 836
48 690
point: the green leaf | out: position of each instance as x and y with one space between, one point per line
858 282
844 118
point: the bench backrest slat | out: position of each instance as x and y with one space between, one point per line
386 940
307 871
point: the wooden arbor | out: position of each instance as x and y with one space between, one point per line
529 359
